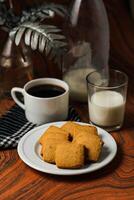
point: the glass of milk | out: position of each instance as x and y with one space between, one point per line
106 99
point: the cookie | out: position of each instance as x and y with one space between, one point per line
74 128
69 155
92 143
48 150
55 133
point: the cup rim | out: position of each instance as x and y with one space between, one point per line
108 87
66 87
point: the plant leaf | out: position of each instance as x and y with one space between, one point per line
42 42
19 35
13 32
28 36
59 44
57 8
34 40
47 49
56 36
42 12
46 38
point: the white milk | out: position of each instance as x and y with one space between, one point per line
76 79
106 108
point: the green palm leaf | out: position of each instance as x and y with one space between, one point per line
46 38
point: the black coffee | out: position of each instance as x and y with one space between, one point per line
46 91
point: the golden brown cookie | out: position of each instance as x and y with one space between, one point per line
69 155
55 133
74 128
49 148
92 143
69 127
89 129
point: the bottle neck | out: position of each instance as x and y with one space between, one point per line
75 12
7 50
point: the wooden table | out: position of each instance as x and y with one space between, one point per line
113 182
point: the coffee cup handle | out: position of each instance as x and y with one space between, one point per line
13 94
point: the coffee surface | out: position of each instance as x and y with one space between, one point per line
45 90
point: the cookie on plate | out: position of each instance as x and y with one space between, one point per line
55 133
49 148
92 143
74 128
69 155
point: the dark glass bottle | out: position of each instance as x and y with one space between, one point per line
15 67
87 32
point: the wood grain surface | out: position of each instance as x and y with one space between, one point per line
113 182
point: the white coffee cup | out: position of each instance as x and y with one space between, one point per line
40 110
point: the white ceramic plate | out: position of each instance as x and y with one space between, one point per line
29 152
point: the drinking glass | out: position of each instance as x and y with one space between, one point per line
107 99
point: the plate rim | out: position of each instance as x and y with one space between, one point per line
75 172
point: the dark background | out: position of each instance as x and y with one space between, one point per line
121 35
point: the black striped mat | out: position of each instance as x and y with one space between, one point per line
13 125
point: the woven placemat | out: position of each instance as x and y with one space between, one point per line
13 125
